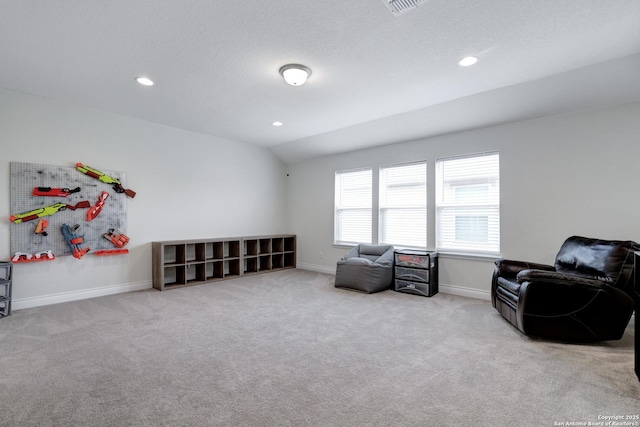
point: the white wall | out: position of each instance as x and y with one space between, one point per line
559 176
563 175
188 185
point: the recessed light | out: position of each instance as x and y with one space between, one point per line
145 81
469 60
277 123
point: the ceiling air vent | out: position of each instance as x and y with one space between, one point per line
398 7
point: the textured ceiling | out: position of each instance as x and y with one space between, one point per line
376 78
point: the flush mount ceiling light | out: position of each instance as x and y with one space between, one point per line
277 123
145 81
469 60
295 74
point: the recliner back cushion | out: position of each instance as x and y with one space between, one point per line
606 260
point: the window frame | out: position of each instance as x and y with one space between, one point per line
450 210
384 208
339 208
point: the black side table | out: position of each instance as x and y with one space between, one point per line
416 272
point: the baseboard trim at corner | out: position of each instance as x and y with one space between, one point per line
317 268
465 292
19 304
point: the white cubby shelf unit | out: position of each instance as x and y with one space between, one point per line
178 263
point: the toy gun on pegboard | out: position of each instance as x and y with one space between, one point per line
74 241
115 184
54 192
47 211
118 239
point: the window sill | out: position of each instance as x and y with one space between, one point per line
469 256
442 254
343 245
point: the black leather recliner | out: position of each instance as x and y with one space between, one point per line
586 296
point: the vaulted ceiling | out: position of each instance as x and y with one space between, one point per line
376 78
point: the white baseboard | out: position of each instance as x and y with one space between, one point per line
19 304
465 292
317 268
445 289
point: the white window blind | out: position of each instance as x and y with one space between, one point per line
468 203
403 205
353 206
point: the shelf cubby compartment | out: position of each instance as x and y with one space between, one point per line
277 261
201 251
289 244
190 273
175 275
174 254
265 246
213 270
289 260
277 245
264 263
231 267
232 249
250 247
190 254
195 273
208 251
250 265
218 250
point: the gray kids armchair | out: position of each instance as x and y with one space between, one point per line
366 268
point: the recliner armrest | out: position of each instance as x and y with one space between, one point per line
535 275
506 267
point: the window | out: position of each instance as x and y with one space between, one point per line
403 205
353 206
468 203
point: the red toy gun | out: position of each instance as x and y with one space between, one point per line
54 192
95 210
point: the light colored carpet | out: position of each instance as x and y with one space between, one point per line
288 349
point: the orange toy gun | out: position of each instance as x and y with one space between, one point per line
105 252
120 240
94 173
42 226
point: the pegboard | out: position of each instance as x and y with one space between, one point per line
26 176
